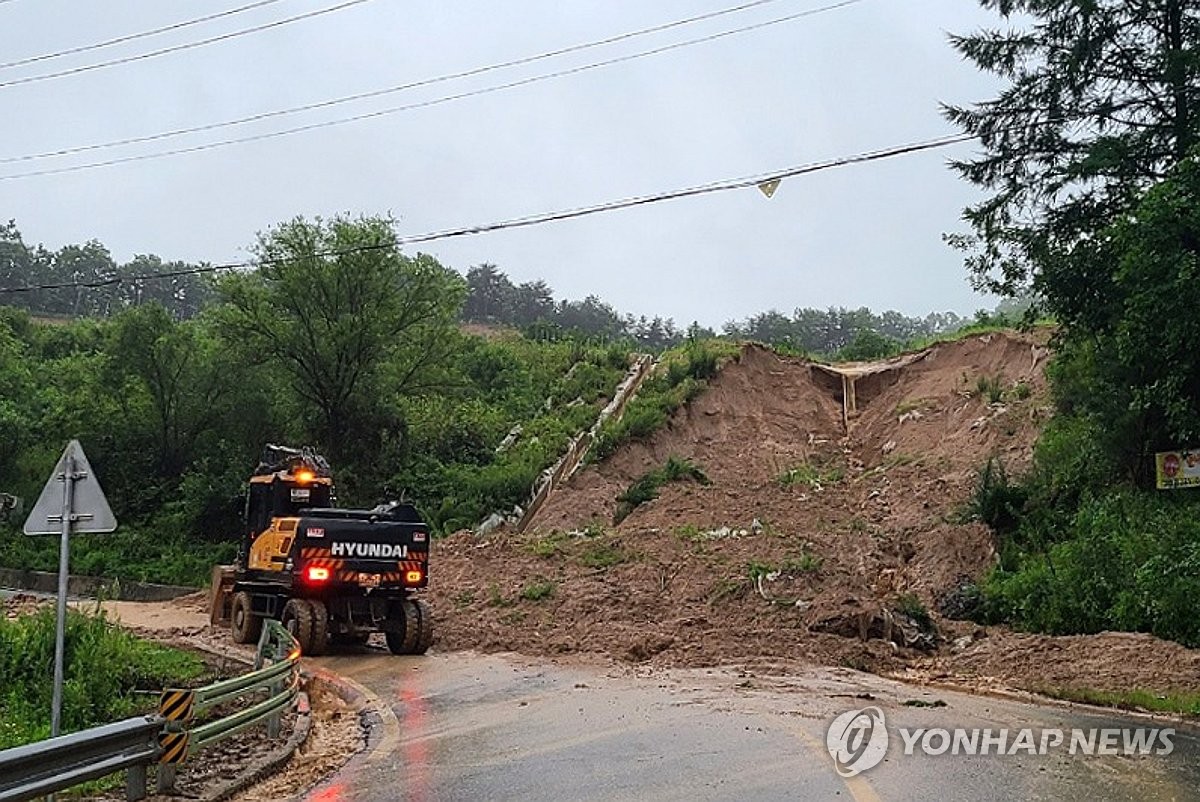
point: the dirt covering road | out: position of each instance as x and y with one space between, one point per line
814 542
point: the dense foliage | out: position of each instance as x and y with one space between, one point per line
357 354
105 667
1098 202
1101 100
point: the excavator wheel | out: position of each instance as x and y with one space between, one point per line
418 628
308 621
320 628
425 627
245 625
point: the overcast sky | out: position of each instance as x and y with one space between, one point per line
858 78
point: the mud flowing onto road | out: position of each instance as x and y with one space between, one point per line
829 524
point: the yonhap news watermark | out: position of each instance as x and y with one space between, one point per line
858 740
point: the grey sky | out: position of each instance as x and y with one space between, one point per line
855 79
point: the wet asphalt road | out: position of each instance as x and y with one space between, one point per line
474 727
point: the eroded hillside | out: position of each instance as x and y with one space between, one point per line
826 531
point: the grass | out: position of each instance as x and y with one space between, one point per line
728 589
1185 703
991 388
107 674
806 563
496 597
900 459
603 555
646 488
811 475
548 545
908 604
538 591
911 405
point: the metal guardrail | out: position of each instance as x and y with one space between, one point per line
47 766
169 738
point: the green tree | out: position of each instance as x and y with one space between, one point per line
351 318
187 376
490 295
1132 361
1101 101
868 344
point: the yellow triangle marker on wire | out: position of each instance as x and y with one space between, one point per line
768 187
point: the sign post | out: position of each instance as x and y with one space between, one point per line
79 506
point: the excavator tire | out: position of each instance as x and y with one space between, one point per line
320 627
425 627
245 625
308 621
417 634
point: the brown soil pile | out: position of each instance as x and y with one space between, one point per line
1110 661
23 604
806 541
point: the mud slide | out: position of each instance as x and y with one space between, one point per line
833 520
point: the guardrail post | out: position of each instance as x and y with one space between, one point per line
164 783
135 783
275 720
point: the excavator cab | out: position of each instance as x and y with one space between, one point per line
286 481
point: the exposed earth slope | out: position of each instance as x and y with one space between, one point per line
823 535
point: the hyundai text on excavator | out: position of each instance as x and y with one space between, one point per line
329 575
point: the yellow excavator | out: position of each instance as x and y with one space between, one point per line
329 575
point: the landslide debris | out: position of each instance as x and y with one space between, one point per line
827 532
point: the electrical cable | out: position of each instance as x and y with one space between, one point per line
425 103
134 36
266 115
537 219
177 48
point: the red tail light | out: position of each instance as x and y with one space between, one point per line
316 573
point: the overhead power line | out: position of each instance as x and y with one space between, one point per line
469 73
134 36
536 219
427 103
185 46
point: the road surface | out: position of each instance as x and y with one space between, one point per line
469 727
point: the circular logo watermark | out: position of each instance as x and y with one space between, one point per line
857 740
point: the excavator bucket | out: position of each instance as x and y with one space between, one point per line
220 595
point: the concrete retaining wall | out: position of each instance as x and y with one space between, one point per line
91 586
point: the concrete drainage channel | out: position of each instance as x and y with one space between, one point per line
575 453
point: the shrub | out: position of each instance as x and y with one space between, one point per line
646 488
1125 560
997 502
104 667
537 591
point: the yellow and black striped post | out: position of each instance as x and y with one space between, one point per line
177 705
174 747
